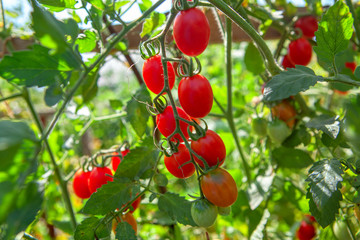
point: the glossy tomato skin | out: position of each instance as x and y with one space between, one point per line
98 177
80 184
300 52
351 66
166 124
195 96
203 213
191 31
153 74
285 112
286 63
129 218
219 187
174 162
306 231
308 26
115 161
210 147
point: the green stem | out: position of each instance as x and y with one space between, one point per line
11 97
241 22
3 15
57 172
229 115
82 78
342 79
356 20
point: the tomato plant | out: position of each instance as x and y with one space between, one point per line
174 163
128 218
259 126
286 63
306 231
308 26
285 112
278 131
80 184
98 177
204 213
115 160
300 52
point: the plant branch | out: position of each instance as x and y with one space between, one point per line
3 15
16 95
342 79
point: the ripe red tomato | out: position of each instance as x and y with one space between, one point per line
129 218
285 112
204 213
153 74
351 66
80 184
306 231
195 96
166 124
191 31
219 187
300 52
286 63
115 161
308 26
174 162
210 147
98 177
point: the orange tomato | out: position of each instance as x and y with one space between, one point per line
129 218
285 112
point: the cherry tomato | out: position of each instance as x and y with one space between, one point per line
203 213
166 124
153 74
98 177
174 162
191 31
115 161
80 184
351 66
211 148
129 218
308 26
195 96
286 63
285 112
219 187
278 131
300 52
306 231
135 204
259 126
341 231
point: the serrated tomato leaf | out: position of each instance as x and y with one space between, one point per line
91 227
153 22
290 82
177 207
125 231
323 192
291 158
257 190
327 124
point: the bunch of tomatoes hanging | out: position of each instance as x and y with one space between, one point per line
204 152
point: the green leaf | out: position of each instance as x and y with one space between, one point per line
352 127
86 229
116 104
258 190
154 21
125 231
53 95
258 233
13 133
177 207
323 192
138 161
253 60
97 3
291 158
51 32
58 5
86 41
145 5
334 32
327 234
137 113
297 137
36 67
290 82
327 124
110 196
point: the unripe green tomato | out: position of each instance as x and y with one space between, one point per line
278 131
204 213
224 211
340 230
259 126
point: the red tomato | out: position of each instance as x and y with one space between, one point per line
174 162
153 74
286 62
129 218
351 66
195 96
219 187
98 177
115 161
210 147
285 112
341 92
80 184
166 124
300 52
308 26
135 204
191 31
306 231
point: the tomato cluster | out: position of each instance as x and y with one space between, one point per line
307 230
